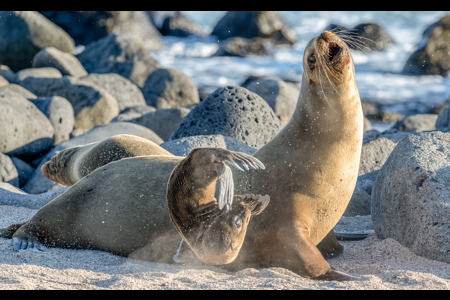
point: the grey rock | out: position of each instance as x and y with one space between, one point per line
44 72
6 72
417 123
65 62
91 104
162 121
24 170
40 184
166 88
24 33
123 54
60 113
432 56
126 92
26 131
177 24
443 120
374 154
250 24
411 195
372 37
8 172
280 95
232 111
15 88
86 27
182 146
243 47
359 204
3 81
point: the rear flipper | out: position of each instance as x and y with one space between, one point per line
8 232
21 241
255 203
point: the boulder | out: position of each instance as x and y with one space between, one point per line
232 111
443 120
3 81
8 172
86 27
370 37
162 121
123 54
91 104
177 24
243 47
166 88
6 72
24 33
411 195
359 204
66 63
251 24
374 154
38 183
432 56
24 170
44 72
26 131
417 123
60 113
280 95
123 90
182 146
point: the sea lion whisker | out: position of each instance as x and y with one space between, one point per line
323 92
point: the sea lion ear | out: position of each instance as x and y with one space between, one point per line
226 188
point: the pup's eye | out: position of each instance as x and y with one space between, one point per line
238 222
312 59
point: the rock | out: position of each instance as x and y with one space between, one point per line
280 95
60 113
410 198
443 120
24 33
374 154
24 170
179 25
162 121
3 81
432 56
359 204
372 36
182 146
251 24
40 184
243 47
26 131
123 90
91 104
232 111
123 54
417 123
367 125
86 27
45 72
8 172
66 63
166 88
6 72
15 88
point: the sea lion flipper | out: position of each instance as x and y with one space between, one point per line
226 188
255 203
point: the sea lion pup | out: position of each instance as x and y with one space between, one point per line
213 233
70 165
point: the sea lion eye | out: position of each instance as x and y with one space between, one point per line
238 222
312 59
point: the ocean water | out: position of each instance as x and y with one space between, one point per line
378 73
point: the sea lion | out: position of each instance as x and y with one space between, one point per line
311 171
214 234
70 165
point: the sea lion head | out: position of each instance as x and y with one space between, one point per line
56 168
327 61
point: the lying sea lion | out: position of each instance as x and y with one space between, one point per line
214 234
311 171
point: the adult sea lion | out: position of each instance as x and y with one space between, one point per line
311 171
212 228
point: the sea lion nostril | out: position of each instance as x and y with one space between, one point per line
333 50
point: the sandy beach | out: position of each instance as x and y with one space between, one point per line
380 264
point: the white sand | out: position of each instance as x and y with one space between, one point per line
381 264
